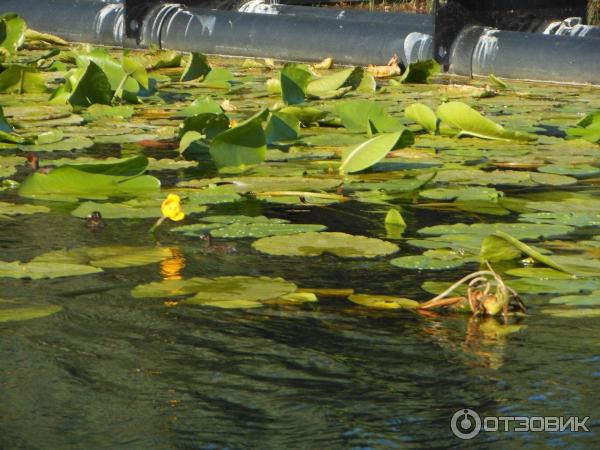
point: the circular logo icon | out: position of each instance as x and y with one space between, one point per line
465 424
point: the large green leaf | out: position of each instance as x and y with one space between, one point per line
222 292
92 181
587 128
350 78
91 86
423 115
369 152
383 301
282 127
134 68
108 257
199 106
27 312
197 66
471 123
501 246
365 116
218 78
305 114
317 243
240 146
12 32
206 124
294 81
420 71
113 70
21 79
39 270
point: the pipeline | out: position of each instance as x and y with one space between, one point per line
421 22
476 51
571 26
173 26
529 56
293 38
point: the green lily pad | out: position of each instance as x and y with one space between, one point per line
200 106
109 257
92 181
365 116
369 152
38 270
12 32
592 299
241 288
501 246
241 146
22 79
100 112
424 262
573 313
294 80
383 301
423 115
516 230
12 209
8 165
420 71
315 244
222 292
471 123
539 272
282 127
553 286
27 313
233 227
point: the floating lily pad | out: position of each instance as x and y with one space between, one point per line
592 299
573 313
93 181
110 257
553 286
131 209
222 292
241 288
516 230
383 301
38 270
12 209
424 262
233 227
315 244
27 313
470 122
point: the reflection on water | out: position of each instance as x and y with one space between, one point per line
111 371
170 268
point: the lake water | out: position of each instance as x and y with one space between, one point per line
110 371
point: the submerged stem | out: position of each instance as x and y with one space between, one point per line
157 224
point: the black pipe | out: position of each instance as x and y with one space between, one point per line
421 22
529 56
476 51
572 27
76 20
292 38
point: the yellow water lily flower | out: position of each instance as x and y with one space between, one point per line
171 208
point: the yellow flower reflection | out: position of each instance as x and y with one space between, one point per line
170 268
